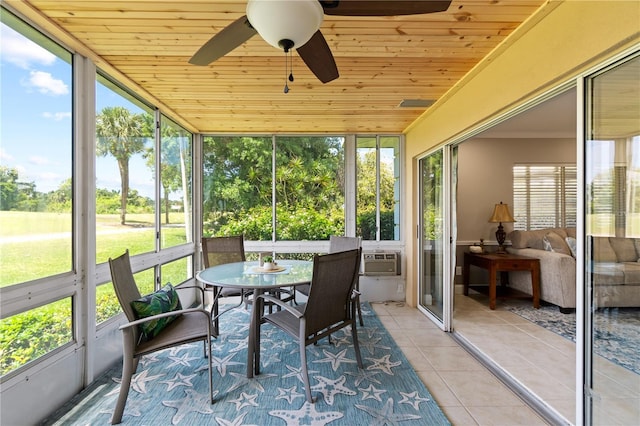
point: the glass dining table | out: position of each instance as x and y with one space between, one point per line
250 276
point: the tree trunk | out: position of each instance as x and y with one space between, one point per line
166 205
185 195
123 166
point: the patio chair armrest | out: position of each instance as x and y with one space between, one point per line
184 287
163 315
293 311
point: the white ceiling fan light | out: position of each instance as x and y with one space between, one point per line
285 24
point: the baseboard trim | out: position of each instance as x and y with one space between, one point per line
538 405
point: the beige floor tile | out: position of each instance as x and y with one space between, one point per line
439 389
459 416
479 388
506 416
448 358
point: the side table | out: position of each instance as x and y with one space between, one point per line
493 263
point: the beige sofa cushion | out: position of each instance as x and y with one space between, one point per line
625 249
556 243
602 250
533 239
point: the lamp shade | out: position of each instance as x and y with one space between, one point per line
502 214
284 23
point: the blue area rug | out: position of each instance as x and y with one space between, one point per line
616 330
171 387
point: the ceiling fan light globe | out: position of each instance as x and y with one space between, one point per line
277 20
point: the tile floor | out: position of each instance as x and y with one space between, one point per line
538 359
545 363
465 390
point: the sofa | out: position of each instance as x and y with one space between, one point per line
615 267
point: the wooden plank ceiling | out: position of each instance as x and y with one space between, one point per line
381 60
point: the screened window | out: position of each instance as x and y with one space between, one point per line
36 181
175 182
378 188
544 196
125 173
36 203
251 184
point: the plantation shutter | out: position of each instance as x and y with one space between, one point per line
544 196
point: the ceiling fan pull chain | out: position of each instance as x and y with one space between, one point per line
288 67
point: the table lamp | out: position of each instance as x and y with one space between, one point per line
501 214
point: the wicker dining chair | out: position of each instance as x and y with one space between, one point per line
181 326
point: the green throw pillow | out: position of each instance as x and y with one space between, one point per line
163 300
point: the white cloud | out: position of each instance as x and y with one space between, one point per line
46 84
5 156
21 51
38 160
57 116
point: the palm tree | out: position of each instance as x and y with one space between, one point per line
121 134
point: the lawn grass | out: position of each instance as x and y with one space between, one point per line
34 257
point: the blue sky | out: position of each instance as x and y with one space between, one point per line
35 112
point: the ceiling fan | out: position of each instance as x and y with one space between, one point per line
294 24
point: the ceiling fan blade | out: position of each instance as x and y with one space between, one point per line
224 42
382 7
318 57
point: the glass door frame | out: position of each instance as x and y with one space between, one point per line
585 304
448 250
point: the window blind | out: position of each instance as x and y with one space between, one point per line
544 196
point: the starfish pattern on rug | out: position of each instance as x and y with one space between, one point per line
253 382
139 381
184 360
289 394
297 372
149 359
383 364
221 364
134 408
386 415
362 375
371 345
335 359
306 415
179 380
179 394
329 388
241 344
238 421
412 399
244 400
371 393
193 402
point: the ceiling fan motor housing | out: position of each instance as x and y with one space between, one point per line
285 24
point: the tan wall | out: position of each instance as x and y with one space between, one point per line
485 177
562 40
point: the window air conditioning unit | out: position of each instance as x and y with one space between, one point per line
381 263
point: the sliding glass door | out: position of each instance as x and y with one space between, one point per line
612 249
435 283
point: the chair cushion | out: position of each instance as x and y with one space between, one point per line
159 302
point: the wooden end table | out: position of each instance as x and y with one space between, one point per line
493 263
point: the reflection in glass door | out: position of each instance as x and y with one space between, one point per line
612 227
433 294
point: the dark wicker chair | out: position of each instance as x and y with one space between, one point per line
329 307
191 325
